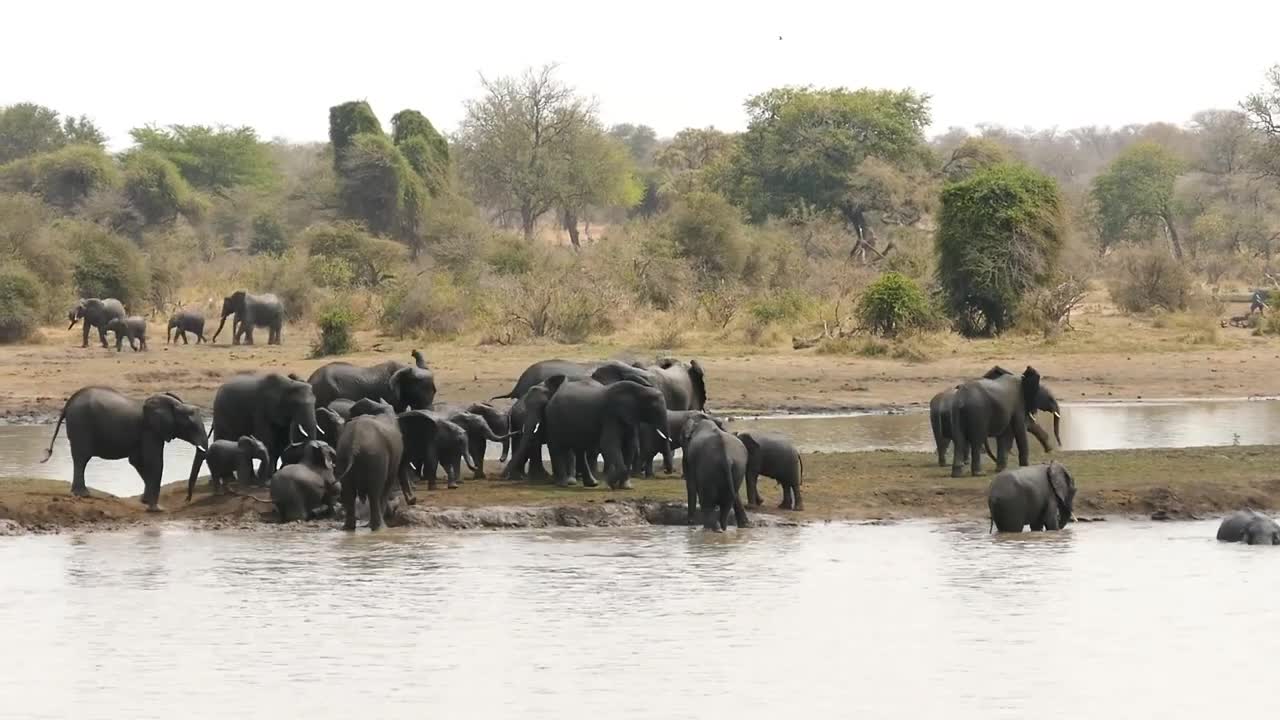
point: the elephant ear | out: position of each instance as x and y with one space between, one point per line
995 372
418 426
159 414
319 454
1060 485
686 430
553 384
1030 389
753 447
699 385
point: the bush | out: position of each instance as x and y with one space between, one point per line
267 237
1145 280
706 230
429 304
62 178
786 306
337 329
511 257
892 304
368 261
106 265
156 189
20 303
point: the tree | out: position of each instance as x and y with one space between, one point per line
106 265
891 304
213 159
598 171
368 260
64 177
156 189
378 186
1225 141
706 230
268 237
426 150
1000 232
515 140
971 155
28 129
1135 193
641 141
347 121
1263 111
687 161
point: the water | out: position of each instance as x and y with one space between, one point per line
906 621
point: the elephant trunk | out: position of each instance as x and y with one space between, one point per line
1057 427
195 470
220 325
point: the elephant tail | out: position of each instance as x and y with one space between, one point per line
466 456
800 480
62 416
509 394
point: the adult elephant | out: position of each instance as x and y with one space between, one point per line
251 311
683 384
103 423
395 383
715 465
528 418
274 408
372 461
545 369
96 314
940 418
1250 527
584 417
997 405
1040 496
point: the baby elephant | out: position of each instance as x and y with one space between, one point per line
133 327
773 456
183 322
1037 495
233 459
307 489
714 464
1250 527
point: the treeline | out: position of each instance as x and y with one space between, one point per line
831 213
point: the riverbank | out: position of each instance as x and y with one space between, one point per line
1167 483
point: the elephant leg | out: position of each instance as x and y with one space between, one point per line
184 338
1020 436
376 502
562 466
587 477
452 474
709 521
722 516
1051 517
943 445
537 471
406 486
506 449
753 487
102 335
78 487
798 504
149 471
143 343
692 491
739 514
84 335
788 502
477 448
959 455
349 504
248 334
1002 451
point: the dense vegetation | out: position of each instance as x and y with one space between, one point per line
535 220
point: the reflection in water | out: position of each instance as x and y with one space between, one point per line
900 621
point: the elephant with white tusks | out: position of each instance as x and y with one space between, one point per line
1249 527
96 314
249 311
1039 496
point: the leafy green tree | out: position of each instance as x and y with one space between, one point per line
689 160
21 300
707 231
1000 233
213 159
368 261
347 121
106 265
63 177
155 188
409 124
378 187
641 141
267 236
1136 194
598 171
28 129
891 304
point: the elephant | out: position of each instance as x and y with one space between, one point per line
133 327
96 313
371 458
544 369
528 417
499 422
1248 526
585 417
715 463
651 444
448 447
306 489
404 387
183 322
478 435
940 419
1041 496
276 409
773 456
228 459
103 423
252 311
682 384
329 424
997 405
341 406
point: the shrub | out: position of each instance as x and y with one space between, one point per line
368 261
1048 308
337 329
429 304
558 302
706 229
892 304
1145 280
62 178
106 265
511 257
785 306
267 237
20 303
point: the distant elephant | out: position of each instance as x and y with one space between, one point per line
499 422
651 444
96 313
479 434
183 322
233 459
528 416
306 489
997 405
341 406
940 419
544 369
1248 526
1041 496
371 461
103 423
773 456
276 409
252 311
134 328
405 387
715 463
449 447
585 417
329 424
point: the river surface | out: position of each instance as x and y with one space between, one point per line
1102 426
1115 620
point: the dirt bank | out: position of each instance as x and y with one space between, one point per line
1184 483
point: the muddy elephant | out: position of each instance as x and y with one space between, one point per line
715 464
183 322
306 489
997 405
585 417
527 417
233 460
252 311
276 409
940 419
1250 527
773 456
371 461
651 444
134 328
1039 496
105 424
402 386
96 314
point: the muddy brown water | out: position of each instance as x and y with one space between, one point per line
915 620
1101 426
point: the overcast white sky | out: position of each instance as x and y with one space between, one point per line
669 64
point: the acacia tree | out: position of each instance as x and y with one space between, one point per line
1135 193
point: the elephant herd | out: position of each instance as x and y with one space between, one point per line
247 310
349 433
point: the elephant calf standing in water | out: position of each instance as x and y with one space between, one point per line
183 322
1248 526
233 459
306 489
134 328
773 456
715 463
1041 496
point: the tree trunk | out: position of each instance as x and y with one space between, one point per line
527 219
1172 232
570 221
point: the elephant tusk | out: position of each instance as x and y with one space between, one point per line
662 435
536 428
1057 415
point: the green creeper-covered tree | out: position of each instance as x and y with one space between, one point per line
1000 232
426 149
21 300
366 260
28 129
378 187
347 121
1134 196
213 159
156 189
64 177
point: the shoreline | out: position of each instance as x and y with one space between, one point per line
878 486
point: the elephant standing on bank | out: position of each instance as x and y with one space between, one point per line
1041 496
773 456
134 328
1250 527
251 311
306 489
478 434
103 423
402 386
585 417
651 444
940 418
371 461
96 314
543 370
233 460
998 405
499 422
528 420
715 463
276 409
183 322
